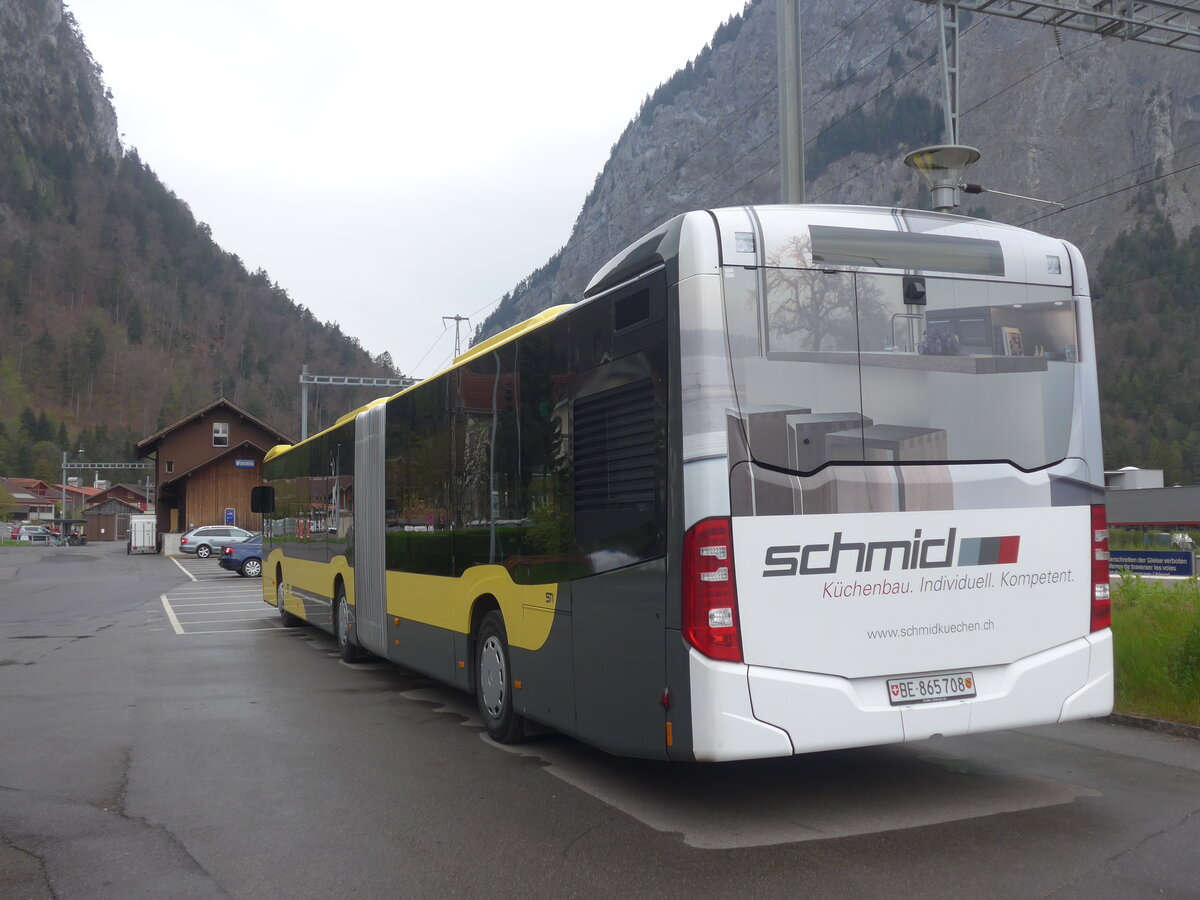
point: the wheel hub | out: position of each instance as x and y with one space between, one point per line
492 679
343 623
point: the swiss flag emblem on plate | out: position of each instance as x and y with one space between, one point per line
895 690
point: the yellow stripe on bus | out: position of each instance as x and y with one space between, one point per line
432 599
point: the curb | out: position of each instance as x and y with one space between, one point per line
1178 729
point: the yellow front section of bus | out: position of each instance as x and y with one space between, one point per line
427 599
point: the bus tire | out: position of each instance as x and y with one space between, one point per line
349 650
287 619
493 681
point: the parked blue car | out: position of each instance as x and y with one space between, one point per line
244 557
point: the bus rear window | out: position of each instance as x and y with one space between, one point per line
835 367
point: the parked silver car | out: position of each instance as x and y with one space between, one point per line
37 534
209 539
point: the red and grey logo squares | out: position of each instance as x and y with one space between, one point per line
989 551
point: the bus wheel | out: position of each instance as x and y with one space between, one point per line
341 619
493 681
288 620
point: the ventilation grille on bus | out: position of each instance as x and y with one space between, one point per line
614 449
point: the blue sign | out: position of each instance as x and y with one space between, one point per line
243 464
1161 563
230 515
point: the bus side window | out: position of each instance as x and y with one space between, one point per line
262 499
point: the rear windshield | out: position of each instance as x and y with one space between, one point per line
856 366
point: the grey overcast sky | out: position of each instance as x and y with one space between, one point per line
387 163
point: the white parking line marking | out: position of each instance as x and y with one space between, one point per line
171 615
182 569
211 593
215 598
246 603
220 612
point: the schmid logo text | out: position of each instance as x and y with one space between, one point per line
885 556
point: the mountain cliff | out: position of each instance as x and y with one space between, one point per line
1062 116
1110 129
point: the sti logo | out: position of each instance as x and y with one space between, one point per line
888 556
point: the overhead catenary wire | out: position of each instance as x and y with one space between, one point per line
727 125
832 125
1060 57
1159 274
886 49
1131 187
931 135
436 341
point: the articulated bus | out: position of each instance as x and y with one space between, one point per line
785 479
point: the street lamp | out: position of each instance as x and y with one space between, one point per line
80 477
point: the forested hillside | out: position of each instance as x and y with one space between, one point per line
120 313
1148 351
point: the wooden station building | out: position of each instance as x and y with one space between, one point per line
205 465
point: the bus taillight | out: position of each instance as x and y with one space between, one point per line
710 613
1101 602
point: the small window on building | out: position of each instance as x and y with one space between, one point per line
170 466
220 434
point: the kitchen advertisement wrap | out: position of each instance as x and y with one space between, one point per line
900 592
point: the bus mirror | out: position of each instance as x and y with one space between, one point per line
262 499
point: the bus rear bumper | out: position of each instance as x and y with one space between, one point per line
744 712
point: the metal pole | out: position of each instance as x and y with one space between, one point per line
948 56
791 110
303 403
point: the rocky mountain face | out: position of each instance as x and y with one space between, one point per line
52 87
1098 125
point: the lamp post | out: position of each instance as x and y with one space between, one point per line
77 510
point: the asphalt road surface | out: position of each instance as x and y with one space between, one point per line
161 736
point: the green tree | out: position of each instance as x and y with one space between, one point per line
28 424
8 504
93 348
135 325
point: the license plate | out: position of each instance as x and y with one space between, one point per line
930 688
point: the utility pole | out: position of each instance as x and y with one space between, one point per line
452 491
942 166
791 102
457 320
1158 22
948 57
